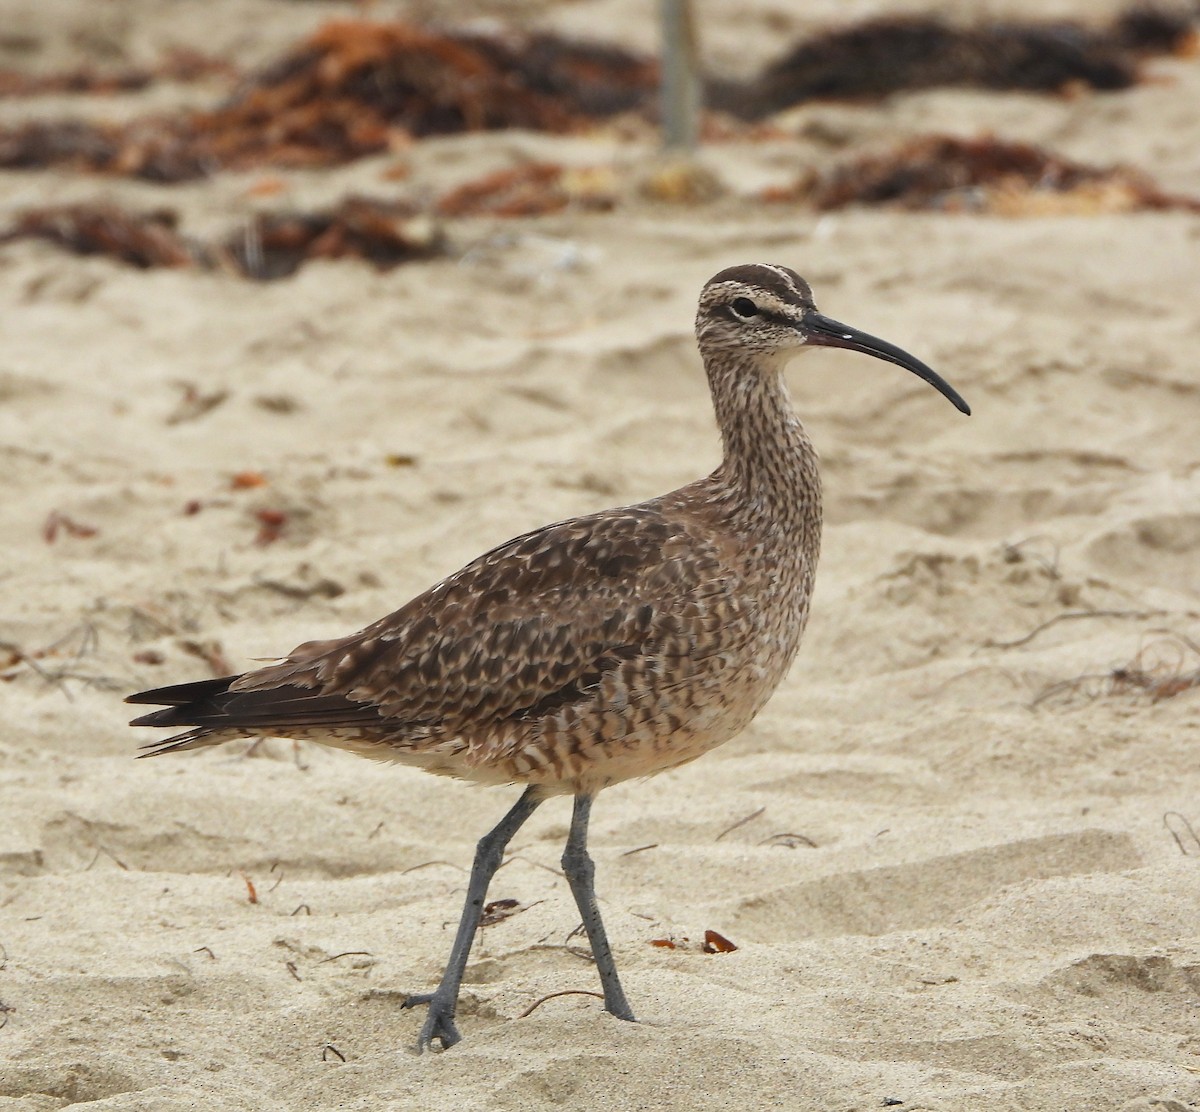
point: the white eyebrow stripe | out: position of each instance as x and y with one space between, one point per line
787 277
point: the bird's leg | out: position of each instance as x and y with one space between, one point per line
489 852
580 876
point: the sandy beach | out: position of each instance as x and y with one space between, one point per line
956 851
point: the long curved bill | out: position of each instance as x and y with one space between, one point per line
825 332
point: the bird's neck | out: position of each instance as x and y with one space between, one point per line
770 464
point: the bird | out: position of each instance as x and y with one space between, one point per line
590 651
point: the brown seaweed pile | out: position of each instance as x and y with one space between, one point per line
269 246
143 240
589 80
275 244
179 64
980 175
534 189
935 172
383 233
352 89
355 88
903 53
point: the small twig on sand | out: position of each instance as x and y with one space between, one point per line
740 822
562 992
1071 616
1185 835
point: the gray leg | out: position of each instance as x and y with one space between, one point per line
489 852
580 873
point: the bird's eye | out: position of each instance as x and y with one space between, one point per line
744 307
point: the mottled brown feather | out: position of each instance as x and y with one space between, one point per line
530 627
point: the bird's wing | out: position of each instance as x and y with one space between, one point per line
524 624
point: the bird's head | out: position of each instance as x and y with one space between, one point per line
767 312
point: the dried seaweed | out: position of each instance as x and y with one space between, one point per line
385 233
496 911
57 521
351 89
71 651
1162 669
1146 29
357 87
271 245
211 652
271 524
15 83
534 189
902 53
590 79
348 87
1156 676
71 144
179 64
523 191
715 943
144 240
980 175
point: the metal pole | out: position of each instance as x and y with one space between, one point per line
680 76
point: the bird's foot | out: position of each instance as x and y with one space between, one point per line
439 1023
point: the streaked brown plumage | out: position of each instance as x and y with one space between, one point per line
592 650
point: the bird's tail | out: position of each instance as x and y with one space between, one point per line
199 705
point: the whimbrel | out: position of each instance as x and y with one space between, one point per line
592 650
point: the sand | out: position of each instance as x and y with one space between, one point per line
958 876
